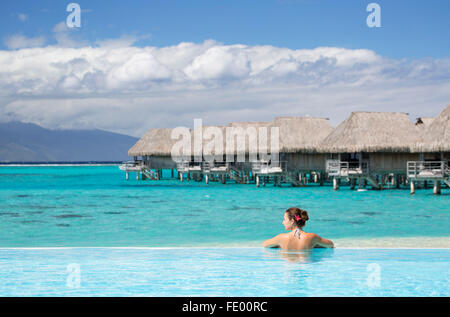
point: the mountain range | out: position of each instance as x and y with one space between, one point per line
28 142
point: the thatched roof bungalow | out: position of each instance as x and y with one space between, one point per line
212 138
436 137
155 147
300 138
383 139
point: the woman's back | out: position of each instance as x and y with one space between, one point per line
297 240
294 220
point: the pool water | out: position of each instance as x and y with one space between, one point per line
223 272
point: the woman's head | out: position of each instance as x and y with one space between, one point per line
295 218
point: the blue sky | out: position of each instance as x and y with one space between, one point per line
410 28
134 65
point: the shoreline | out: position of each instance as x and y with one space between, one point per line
342 243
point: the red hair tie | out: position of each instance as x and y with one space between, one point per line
297 217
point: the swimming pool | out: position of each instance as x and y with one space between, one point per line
223 272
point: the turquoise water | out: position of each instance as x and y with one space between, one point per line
94 206
193 239
223 272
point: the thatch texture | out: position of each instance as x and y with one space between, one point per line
436 137
360 132
155 142
209 139
372 132
243 148
136 149
301 134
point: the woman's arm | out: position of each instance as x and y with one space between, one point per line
322 242
273 243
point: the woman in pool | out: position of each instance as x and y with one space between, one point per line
297 239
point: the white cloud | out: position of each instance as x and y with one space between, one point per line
22 17
116 86
21 41
64 38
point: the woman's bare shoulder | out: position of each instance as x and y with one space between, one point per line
283 235
311 235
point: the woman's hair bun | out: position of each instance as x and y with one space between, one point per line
304 214
299 216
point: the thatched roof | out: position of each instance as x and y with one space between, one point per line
155 142
372 132
244 148
436 137
297 134
360 132
209 138
246 124
423 122
136 149
301 134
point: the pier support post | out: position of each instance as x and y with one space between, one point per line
206 179
437 187
413 189
315 177
127 176
352 183
137 175
171 172
257 181
181 176
335 184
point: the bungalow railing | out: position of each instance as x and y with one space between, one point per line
427 169
333 167
214 167
266 167
131 165
183 166
346 168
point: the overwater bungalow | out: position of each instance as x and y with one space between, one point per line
208 155
242 149
371 147
154 150
433 151
300 139
383 149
